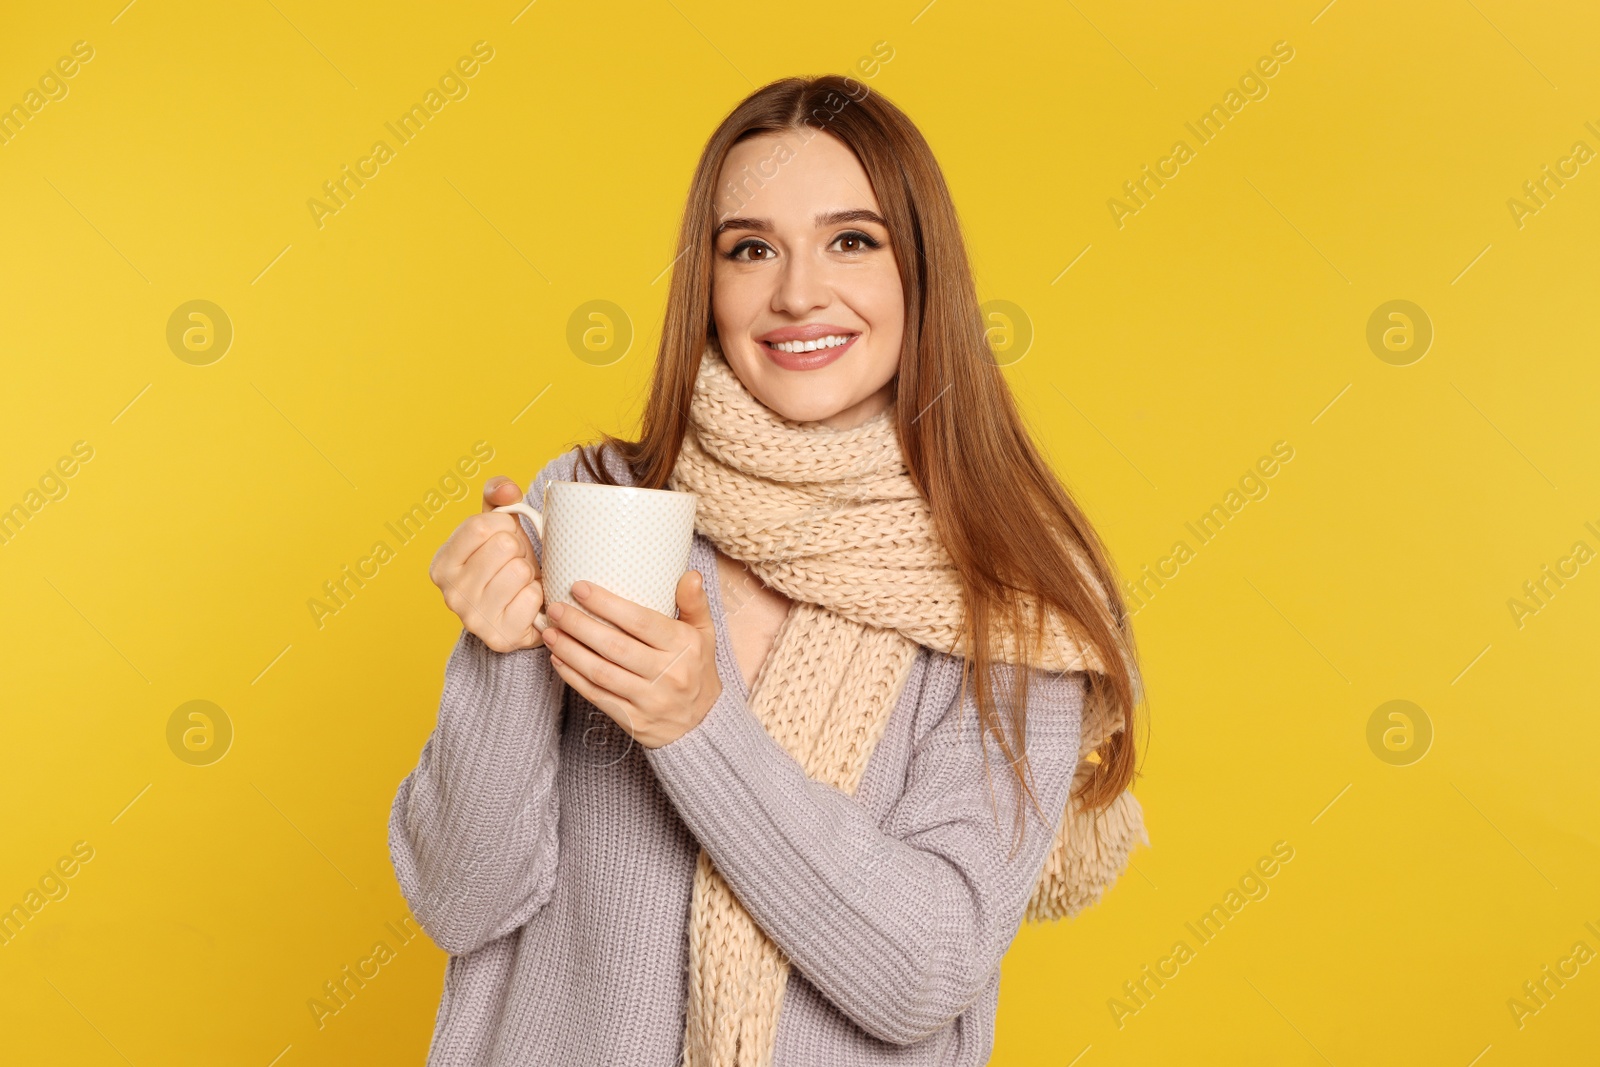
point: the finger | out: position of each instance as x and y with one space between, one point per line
513 577
517 524
693 608
500 490
531 598
461 543
523 613
593 666
512 600
505 543
477 620
651 627
469 537
620 711
620 648
481 545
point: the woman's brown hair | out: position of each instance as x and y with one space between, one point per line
1004 518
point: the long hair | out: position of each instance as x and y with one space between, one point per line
1004 518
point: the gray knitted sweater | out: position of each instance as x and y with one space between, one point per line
553 859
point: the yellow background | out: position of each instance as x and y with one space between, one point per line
1229 313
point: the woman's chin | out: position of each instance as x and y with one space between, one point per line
805 409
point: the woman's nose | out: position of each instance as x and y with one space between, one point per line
802 286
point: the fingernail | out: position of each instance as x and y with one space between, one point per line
580 589
556 611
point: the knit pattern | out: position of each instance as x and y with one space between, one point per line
831 519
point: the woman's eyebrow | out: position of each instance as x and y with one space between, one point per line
826 218
860 214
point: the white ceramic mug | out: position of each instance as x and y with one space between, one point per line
629 541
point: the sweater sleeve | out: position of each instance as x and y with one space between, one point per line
901 925
473 828
472 833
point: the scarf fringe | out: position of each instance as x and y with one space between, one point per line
1091 853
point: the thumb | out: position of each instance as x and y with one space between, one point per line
500 490
693 608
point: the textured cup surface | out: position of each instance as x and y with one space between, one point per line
633 542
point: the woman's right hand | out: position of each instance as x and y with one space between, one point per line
489 574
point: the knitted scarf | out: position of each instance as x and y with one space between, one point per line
831 519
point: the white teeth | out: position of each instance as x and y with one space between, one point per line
811 346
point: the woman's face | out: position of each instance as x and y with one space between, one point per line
803 254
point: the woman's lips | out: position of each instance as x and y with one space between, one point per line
814 360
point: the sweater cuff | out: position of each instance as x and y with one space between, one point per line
694 758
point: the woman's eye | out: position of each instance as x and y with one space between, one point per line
853 242
856 241
736 252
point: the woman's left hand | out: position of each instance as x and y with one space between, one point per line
655 676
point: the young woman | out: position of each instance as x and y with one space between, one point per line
766 831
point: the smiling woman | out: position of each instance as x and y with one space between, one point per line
775 270
791 852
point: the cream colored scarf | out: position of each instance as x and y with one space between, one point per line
831 519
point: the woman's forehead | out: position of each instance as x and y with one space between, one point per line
788 181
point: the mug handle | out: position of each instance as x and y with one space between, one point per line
522 507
